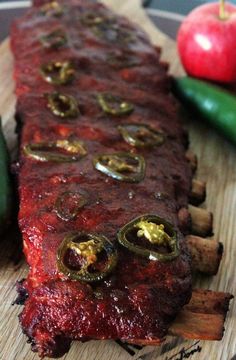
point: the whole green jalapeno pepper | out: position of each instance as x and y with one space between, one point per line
216 106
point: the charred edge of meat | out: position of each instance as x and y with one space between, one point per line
55 348
22 293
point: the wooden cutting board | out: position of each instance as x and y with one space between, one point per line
217 166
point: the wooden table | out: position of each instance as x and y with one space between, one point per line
217 166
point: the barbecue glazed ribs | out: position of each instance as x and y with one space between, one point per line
103 179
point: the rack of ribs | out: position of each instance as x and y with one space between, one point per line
104 180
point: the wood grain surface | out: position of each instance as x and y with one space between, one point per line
217 166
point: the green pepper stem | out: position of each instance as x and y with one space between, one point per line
223 15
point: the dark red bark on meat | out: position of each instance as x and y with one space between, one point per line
140 298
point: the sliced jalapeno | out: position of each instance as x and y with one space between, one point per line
62 105
122 61
121 166
69 203
153 231
141 136
54 40
109 31
56 151
114 105
58 73
93 257
92 19
52 8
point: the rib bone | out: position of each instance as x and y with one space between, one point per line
201 221
198 192
192 158
206 254
203 318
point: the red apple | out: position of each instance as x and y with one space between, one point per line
207 42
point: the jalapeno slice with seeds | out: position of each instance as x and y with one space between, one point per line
54 40
150 232
69 203
122 61
114 105
56 151
141 135
64 106
107 29
92 19
52 8
111 32
86 257
58 73
121 166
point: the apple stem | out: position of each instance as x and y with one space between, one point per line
222 12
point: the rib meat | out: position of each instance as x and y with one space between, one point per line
141 297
